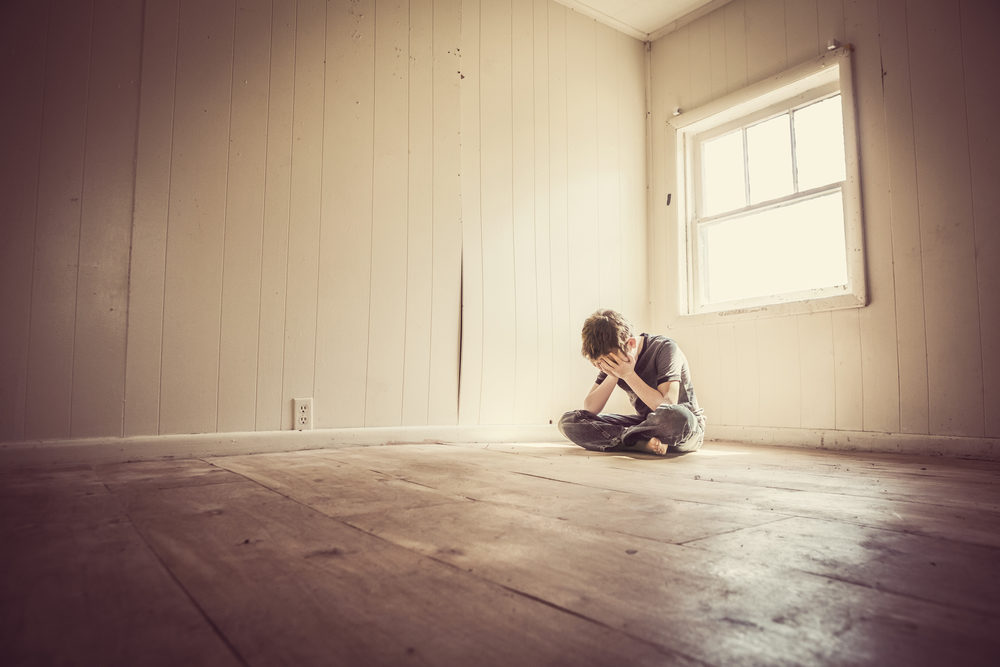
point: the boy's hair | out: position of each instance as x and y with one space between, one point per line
603 332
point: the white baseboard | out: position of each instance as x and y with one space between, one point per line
140 448
860 441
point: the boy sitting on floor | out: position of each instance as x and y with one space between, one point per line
654 373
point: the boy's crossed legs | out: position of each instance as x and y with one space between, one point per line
673 428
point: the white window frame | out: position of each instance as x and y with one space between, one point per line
794 88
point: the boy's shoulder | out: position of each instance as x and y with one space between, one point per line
658 340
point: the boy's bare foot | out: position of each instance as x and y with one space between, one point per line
653 446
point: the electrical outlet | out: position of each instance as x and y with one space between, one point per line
302 414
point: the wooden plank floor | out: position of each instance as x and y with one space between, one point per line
503 555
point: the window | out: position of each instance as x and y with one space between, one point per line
770 209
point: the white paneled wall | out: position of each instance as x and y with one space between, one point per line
210 208
923 357
553 187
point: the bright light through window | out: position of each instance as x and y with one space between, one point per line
791 248
819 143
724 185
769 159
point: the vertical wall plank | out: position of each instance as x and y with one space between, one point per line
241 273
304 210
818 371
707 374
747 374
277 193
22 76
565 334
447 266
731 384
779 372
954 352
106 220
609 72
583 247
880 367
471 371
801 31
57 228
847 370
736 44
911 345
544 408
981 53
193 288
523 155
765 26
345 268
717 52
669 66
149 219
498 235
387 323
700 67
633 178
420 208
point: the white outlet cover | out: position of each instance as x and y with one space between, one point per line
302 417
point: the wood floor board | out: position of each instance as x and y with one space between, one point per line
341 490
933 569
718 608
907 505
159 474
334 487
288 585
79 586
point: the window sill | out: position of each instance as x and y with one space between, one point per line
757 312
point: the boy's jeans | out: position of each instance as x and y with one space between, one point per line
677 426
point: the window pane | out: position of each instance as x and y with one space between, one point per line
790 248
819 143
723 186
769 159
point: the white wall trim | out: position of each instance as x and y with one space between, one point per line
861 441
91 451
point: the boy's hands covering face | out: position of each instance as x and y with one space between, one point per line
618 364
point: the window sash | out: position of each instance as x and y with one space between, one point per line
800 101
701 268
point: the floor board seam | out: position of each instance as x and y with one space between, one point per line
666 650
734 530
888 591
201 610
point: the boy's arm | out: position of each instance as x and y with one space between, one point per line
599 394
667 392
623 366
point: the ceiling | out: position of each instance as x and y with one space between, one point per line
644 19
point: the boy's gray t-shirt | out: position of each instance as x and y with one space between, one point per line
660 360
